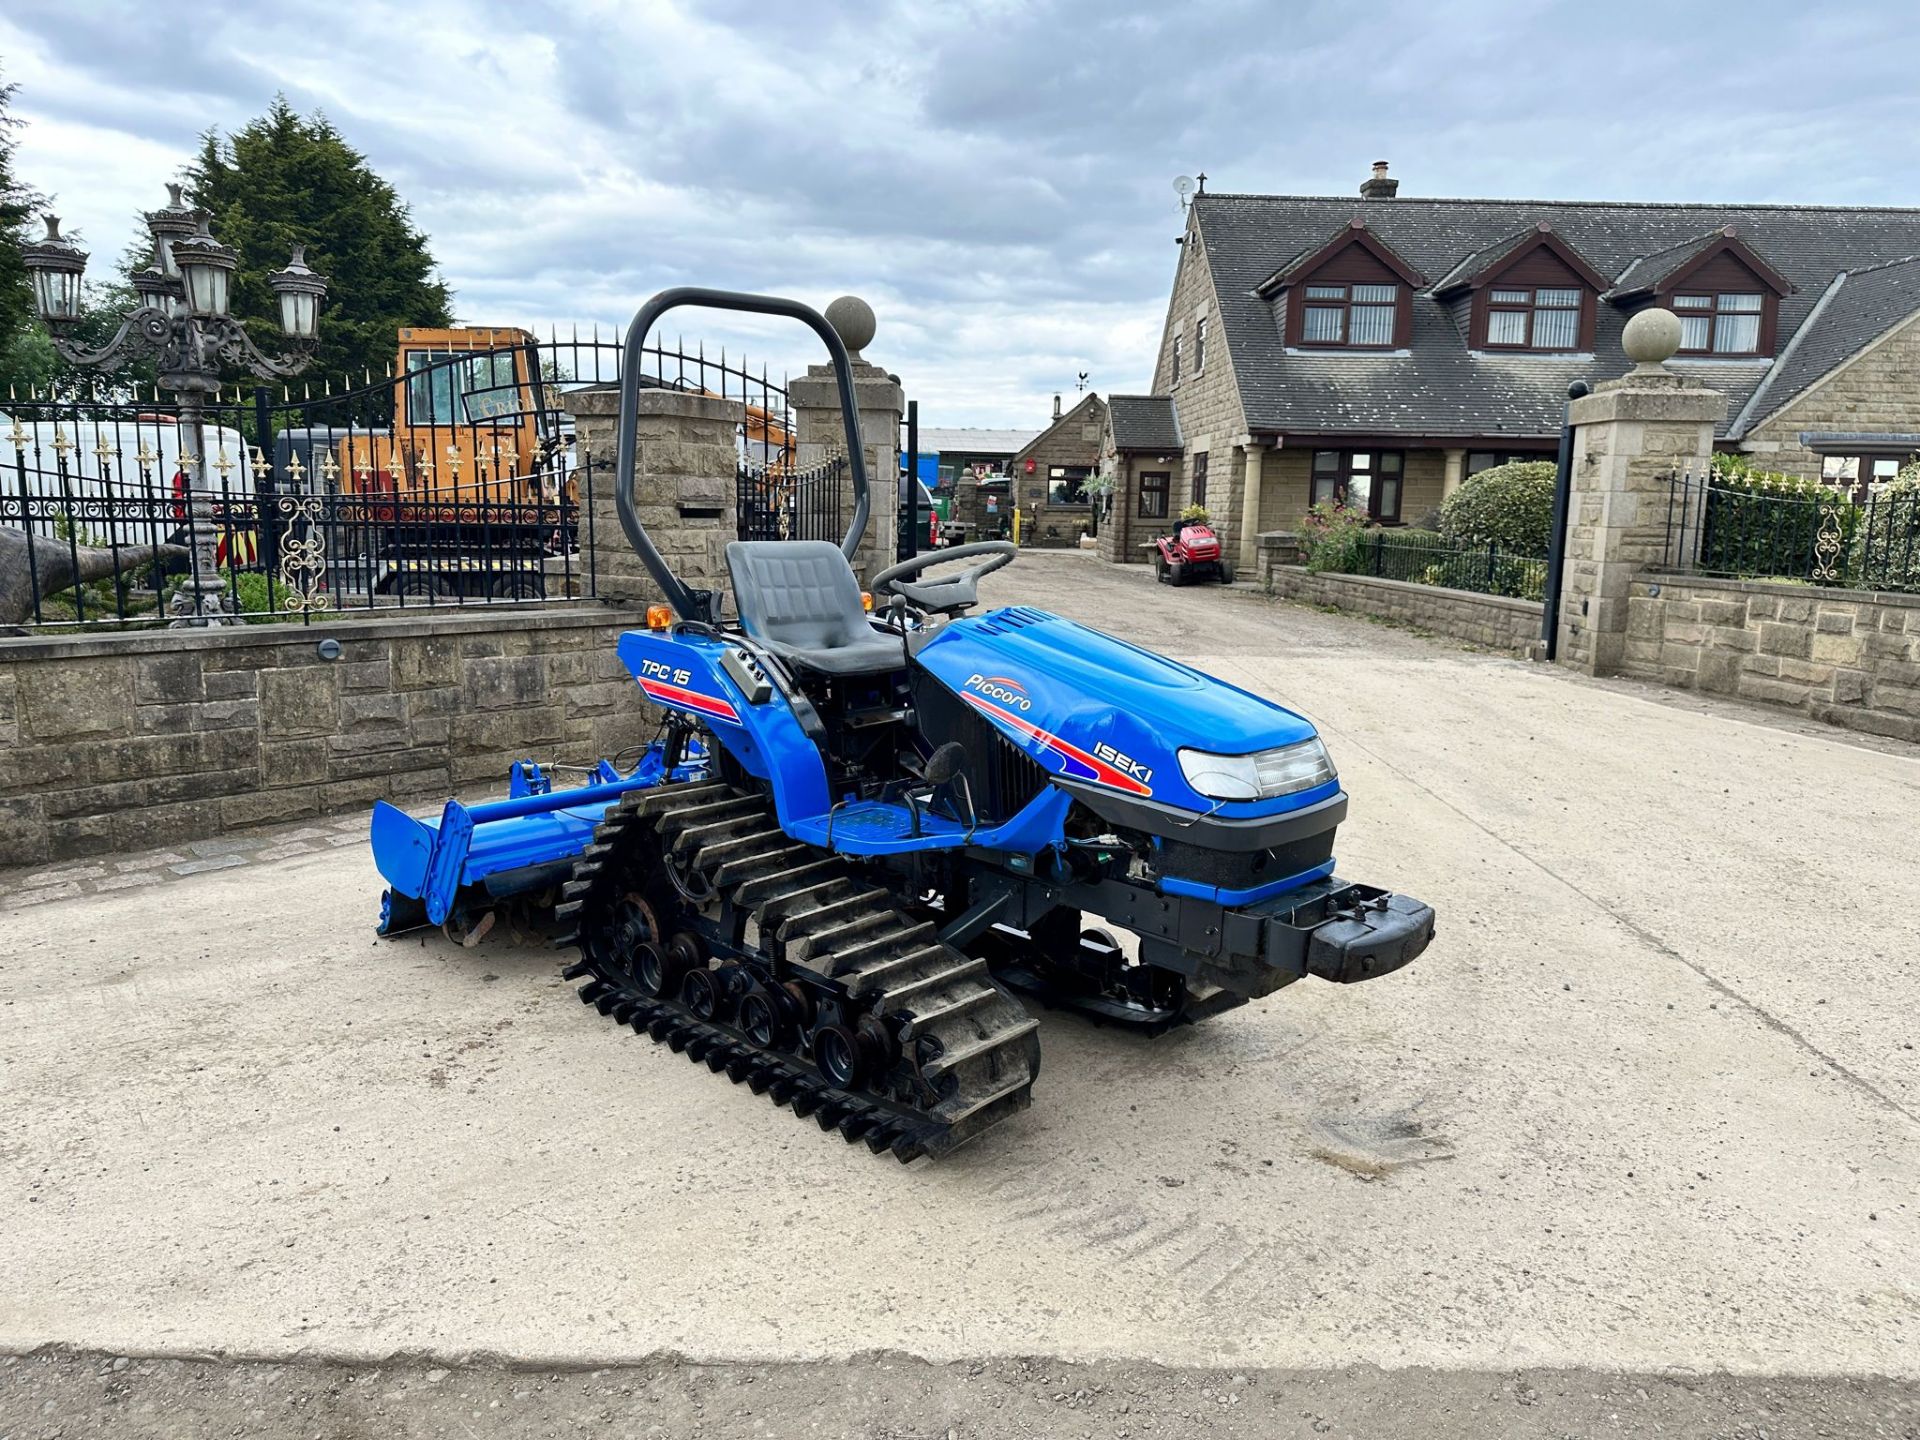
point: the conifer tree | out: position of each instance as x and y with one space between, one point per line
285 179
17 207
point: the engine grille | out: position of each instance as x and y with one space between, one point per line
1003 777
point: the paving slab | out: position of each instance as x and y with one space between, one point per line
1645 1105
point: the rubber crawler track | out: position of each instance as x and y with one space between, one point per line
978 1045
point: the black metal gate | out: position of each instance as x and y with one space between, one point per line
916 515
779 503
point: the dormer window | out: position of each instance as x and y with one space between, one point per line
1351 293
1530 291
1726 294
1533 318
1351 315
1723 324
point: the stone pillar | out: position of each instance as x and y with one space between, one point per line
1631 435
820 434
1456 472
684 481
1250 511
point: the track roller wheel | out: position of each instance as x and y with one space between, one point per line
660 969
878 1044
615 944
797 1001
763 1019
651 969
700 989
838 1051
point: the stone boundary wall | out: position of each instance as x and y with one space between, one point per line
1848 657
1494 622
1277 548
118 742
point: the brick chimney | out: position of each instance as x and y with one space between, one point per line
1381 186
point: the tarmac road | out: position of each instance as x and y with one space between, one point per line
1650 1104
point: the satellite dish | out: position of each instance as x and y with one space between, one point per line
1183 187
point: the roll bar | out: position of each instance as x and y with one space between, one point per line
690 604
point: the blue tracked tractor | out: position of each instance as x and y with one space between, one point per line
859 835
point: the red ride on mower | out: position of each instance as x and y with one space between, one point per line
1191 553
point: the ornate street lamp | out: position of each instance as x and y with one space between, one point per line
184 320
206 268
300 292
56 264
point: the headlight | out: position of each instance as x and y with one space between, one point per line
1284 770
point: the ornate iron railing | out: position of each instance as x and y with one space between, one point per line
1812 533
458 481
1426 559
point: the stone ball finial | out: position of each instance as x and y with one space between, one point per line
852 319
1650 339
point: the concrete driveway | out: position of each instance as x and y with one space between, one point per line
1651 1101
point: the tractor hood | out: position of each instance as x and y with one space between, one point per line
1109 718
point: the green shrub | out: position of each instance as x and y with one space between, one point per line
256 600
1508 505
1413 537
246 596
1762 523
1885 549
1333 537
1486 572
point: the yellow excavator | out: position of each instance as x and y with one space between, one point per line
474 484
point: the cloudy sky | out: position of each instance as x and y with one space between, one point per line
995 177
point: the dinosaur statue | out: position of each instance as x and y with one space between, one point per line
57 566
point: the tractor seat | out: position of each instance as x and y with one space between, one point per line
799 598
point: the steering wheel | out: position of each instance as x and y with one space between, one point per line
946 597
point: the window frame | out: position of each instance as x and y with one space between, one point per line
1712 313
1502 457
1199 469
1341 480
1346 304
1531 308
1176 361
1163 489
1200 346
1058 475
454 376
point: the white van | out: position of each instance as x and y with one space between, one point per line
112 480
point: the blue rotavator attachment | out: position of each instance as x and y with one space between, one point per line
479 854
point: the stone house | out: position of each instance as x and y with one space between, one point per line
970 469
1379 351
1051 471
1142 449
947 453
